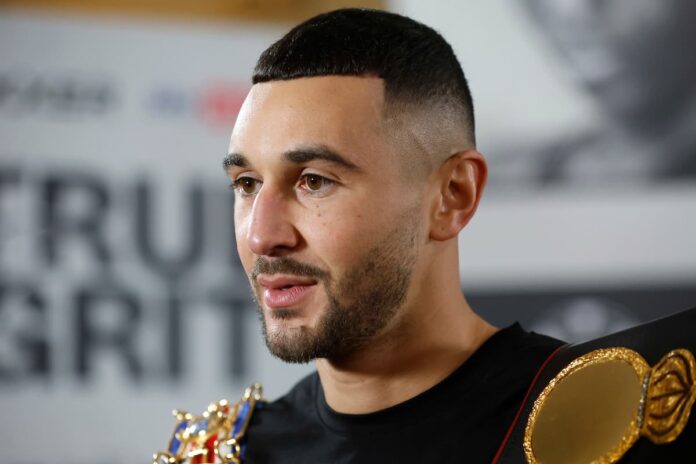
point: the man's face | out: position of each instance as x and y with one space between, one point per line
327 228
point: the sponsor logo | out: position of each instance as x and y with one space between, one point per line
216 105
30 95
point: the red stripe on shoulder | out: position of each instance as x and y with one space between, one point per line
524 401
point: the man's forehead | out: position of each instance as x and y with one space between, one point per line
338 111
364 88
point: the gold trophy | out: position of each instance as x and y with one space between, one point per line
214 437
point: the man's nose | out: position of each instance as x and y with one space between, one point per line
270 231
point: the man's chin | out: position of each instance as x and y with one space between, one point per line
292 345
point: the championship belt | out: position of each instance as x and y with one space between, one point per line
596 408
216 436
625 397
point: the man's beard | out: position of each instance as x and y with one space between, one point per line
361 302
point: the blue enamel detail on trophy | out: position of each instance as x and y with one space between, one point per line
199 426
241 418
176 442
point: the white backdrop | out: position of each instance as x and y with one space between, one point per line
120 296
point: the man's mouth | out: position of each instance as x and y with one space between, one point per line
285 291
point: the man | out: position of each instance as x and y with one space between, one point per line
354 166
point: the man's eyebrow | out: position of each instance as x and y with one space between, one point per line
297 156
305 154
234 159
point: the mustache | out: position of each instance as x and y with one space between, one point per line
286 266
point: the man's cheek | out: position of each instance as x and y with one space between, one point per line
245 254
246 258
346 256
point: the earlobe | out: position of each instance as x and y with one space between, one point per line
461 181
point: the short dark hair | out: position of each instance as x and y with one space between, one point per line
416 63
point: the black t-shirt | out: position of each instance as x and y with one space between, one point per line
464 418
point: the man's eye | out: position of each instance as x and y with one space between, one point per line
246 185
315 183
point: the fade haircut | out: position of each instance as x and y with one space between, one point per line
418 67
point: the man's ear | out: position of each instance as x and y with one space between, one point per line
460 181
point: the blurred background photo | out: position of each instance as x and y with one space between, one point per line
121 295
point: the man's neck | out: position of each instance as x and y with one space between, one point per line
421 350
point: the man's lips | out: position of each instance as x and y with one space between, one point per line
284 291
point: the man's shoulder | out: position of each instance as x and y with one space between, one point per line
304 391
296 403
506 364
518 346
542 344
286 425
